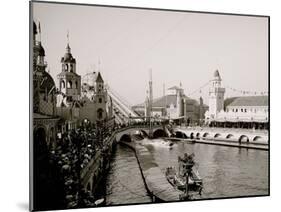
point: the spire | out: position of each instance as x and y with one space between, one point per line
67 37
67 47
99 78
39 29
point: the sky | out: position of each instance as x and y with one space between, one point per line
180 48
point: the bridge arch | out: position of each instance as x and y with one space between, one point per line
257 138
180 134
229 136
126 138
144 134
191 135
159 133
217 135
206 135
243 138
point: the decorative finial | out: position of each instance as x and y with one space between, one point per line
39 29
67 46
67 37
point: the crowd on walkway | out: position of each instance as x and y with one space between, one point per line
73 152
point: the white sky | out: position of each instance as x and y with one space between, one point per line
178 46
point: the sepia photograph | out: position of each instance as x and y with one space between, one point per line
142 106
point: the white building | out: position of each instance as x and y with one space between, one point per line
242 111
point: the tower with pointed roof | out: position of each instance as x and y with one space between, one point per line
216 95
100 98
69 80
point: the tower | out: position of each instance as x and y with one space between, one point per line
100 98
179 94
150 93
216 96
43 84
150 106
69 80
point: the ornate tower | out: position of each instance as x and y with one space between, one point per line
69 80
100 97
43 84
216 96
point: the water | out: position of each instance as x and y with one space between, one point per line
124 184
226 171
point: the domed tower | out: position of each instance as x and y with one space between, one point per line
69 80
216 96
44 100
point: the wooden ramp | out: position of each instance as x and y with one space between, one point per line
155 179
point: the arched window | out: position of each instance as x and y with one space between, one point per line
99 113
69 84
71 67
76 84
62 84
100 100
66 67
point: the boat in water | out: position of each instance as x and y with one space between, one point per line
186 178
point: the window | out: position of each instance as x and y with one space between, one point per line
245 110
62 84
100 100
99 113
71 67
236 110
241 109
76 84
69 84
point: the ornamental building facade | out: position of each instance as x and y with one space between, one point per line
240 111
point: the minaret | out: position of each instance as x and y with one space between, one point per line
179 100
150 103
69 80
201 110
216 96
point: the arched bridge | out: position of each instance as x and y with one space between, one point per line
225 135
126 133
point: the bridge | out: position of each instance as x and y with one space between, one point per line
223 134
126 134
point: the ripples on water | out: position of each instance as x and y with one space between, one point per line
124 183
226 171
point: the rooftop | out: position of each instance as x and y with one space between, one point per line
247 101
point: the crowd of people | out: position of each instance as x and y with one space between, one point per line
73 152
